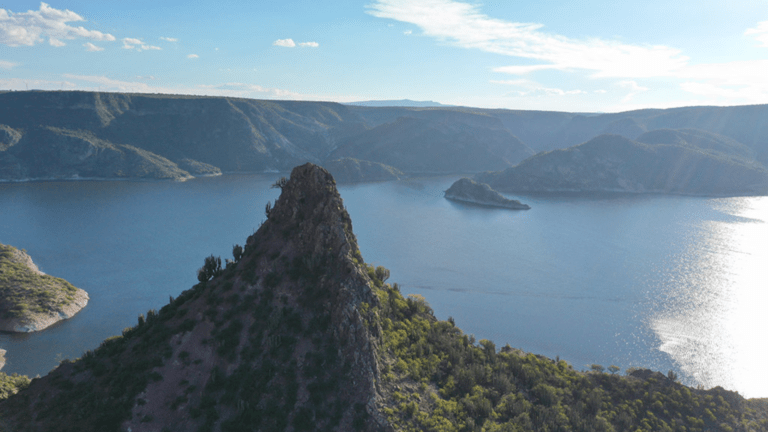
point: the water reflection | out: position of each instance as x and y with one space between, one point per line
713 322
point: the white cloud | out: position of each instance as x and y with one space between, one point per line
138 45
309 44
168 39
31 27
232 89
4 64
193 56
288 43
92 48
600 91
760 33
532 88
55 42
633 87
463 25
408 32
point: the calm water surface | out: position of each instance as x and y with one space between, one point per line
666 282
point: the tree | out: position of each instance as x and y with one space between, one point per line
237 252
382 273
613 369
597 367
280 183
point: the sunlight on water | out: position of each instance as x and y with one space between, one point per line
715 317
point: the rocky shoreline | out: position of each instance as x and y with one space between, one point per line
23 287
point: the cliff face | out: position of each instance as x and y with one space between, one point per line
30 300
277 340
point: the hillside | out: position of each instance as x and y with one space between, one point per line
350 170
31 300
419 145
298 333
77 134
611 163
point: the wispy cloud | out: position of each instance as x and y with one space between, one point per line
7 65
408 32
532 88
169 39
138 45
463 25
193 56
31 27
760 33
633 87
92 48
288 43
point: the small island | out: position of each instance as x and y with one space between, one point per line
469 191
31 300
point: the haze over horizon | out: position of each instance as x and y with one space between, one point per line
594 56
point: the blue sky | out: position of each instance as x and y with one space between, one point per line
586 56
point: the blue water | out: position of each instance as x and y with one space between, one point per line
651 281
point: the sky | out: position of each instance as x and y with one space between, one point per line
577 56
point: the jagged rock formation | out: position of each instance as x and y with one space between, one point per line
469 191
612 163
275 341
350 170
30 300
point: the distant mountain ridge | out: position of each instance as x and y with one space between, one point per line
66 134
397 103
612 163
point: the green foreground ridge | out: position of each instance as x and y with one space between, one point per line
297 333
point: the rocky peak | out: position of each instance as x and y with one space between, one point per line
282 338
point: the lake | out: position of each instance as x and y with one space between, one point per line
664 282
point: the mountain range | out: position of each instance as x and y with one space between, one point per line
62 135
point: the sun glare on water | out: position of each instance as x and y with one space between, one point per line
715 320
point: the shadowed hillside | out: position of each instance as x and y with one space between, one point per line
611 163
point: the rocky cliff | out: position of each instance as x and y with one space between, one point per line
277 339
30 300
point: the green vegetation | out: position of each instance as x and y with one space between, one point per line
441 380
24 291
11 384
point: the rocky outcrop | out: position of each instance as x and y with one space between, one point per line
469 191
30 300
282 338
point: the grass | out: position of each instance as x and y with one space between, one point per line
22 291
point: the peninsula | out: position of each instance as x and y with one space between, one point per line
31 300
469 191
